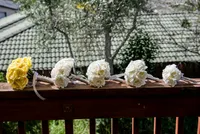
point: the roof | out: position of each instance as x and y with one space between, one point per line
19 36
9 4
169 52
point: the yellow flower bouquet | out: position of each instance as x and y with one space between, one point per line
19 74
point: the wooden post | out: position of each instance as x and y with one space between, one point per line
69 127
92 126
45 127
1 127
179 125
157 125
114 126
21 127
135 126
198 126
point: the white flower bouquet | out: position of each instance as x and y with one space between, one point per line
136 74
60 73
97 72
171 74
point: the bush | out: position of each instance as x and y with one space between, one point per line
140 46
2 77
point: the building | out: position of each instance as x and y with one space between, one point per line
18 36
7 7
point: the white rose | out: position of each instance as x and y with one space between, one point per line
54 72
136 65
171 82
135 73
171 74
136 80
61 70
66 61
96 81
141 75
61 81
99 67
63 67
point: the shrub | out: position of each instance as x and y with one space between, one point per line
140 46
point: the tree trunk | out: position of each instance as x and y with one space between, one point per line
107 49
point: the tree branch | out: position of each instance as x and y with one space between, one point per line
128 34
69 44
176 43
67 38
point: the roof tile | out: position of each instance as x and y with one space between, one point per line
22 44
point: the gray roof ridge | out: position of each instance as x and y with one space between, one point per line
4 22
16 29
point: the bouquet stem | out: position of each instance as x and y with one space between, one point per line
80 79
188 79
45 79
119 79
149 76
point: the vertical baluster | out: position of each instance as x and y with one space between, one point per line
69 126
45 127
92 126
114 126
1 127
198 126
21 127
179 125
157 125
135 126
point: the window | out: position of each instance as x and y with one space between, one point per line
2 14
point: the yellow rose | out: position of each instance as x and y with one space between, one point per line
17 72
20 83
27 61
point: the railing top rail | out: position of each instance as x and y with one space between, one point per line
115 100
112 89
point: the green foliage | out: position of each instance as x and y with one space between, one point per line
9 127
2 77
140 46
80 127
191 5
32 127
106 13
55 126
103 126
185 23
26 3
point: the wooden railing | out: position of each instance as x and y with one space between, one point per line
114 101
